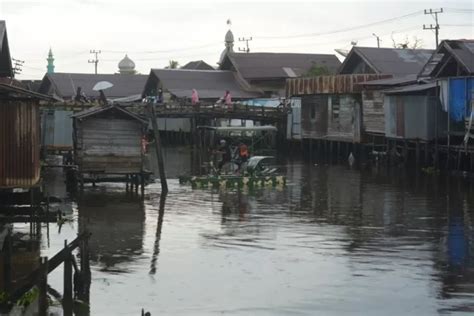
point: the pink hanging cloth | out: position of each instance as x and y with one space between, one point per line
228 99
194 97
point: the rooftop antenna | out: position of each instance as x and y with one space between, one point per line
246 40
378 39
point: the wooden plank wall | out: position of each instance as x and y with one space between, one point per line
314 127
346 126
373 112
109 145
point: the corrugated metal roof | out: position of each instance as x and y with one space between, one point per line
461 50
394 61
15 92
391 81
5 60
273 65
210 84
198 64
411 88
329 84
100 109
65 84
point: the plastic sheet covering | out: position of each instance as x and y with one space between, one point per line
460 91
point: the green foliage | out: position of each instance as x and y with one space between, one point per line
4 297
173 64
316 70
28 297
430 170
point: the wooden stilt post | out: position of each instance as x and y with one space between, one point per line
331 151
7 262
43 288
67 288
458 167
405 152
159 155
427 155
338 154
417 153
472 162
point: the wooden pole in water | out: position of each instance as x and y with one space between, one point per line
7 262
43 288
67 295
417 153
159 155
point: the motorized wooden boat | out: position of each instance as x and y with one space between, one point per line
257 172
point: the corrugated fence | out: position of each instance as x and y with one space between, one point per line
329 84
19 144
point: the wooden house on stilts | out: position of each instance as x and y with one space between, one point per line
108 142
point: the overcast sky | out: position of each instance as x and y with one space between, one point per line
152 32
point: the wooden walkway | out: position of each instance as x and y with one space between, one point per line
256 113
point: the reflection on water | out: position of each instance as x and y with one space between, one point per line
116 220
335 241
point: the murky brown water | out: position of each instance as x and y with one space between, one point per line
336 241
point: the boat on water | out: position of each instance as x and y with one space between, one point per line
258 171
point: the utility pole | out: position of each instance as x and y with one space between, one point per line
436 26
17 66
246 40
96 60
378 39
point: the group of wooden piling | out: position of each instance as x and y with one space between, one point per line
416 154
75 285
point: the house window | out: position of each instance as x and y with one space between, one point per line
335 107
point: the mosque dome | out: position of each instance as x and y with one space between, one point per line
126 66
229 37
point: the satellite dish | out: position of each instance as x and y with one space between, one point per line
102 85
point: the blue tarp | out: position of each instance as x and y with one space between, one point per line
460 94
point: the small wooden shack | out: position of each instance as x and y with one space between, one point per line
19 136
331 106
373 118
414 113
107 141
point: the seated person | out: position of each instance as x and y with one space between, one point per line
224 149
243 154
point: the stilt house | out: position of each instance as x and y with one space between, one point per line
107 140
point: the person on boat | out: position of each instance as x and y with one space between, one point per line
224 149
243 155
243 152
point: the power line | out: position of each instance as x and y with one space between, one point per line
433 13
345 29
459 10
246 40
164 51
96 60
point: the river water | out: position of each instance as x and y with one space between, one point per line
335 241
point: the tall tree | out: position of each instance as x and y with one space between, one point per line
173 64
415 43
